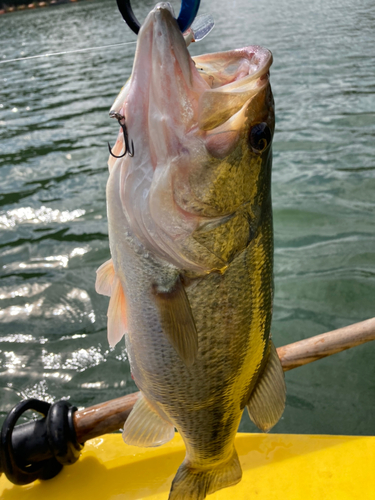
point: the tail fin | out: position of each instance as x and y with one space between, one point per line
194 484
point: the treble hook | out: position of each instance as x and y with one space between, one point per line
188 11
120 118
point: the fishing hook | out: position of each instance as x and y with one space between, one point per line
188 12
121 118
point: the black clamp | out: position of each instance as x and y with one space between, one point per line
38 449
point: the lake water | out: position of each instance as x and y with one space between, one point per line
54 126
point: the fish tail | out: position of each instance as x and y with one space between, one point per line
194 483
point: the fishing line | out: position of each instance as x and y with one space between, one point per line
202 26
66 52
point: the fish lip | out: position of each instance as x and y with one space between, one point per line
163 6
266 53
163 9
250 52
264 64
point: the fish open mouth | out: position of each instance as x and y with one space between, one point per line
234 77
172 86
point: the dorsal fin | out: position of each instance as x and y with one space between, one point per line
105 276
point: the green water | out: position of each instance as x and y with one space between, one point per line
53 230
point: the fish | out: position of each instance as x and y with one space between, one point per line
190 278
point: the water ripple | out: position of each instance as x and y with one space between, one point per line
54 127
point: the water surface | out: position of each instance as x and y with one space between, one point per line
53 229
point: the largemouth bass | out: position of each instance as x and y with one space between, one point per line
190 231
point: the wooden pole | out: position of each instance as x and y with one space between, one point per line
309 350
103 418
110 416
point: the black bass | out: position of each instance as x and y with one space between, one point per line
190 231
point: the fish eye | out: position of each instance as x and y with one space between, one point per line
260 137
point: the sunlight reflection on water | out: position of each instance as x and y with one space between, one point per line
43 214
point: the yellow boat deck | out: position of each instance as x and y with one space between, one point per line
275 467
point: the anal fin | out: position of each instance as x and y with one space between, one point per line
144 427
177 321
267 400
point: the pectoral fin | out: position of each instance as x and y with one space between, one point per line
117 324
144 427
267 400
177 321
105 277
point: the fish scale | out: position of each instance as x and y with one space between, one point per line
190 229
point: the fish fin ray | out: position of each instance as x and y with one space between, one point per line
117 324
144 427
105 276
267 400
177 321
195 484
